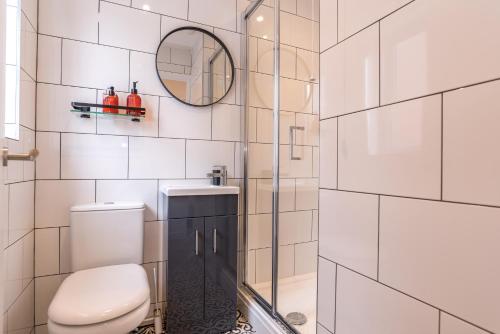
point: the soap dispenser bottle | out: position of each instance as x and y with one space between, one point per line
110 99
134 100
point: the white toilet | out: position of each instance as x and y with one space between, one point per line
108 293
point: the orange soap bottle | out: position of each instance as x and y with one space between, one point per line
134 101
110 99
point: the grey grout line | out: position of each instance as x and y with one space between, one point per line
402 292
412 99
413 198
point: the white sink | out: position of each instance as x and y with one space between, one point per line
199 190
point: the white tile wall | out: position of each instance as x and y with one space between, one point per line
393 150
110 66
366 306
152 158
183 121
115 28
46 251
49 59
93 157
420 54
77 19
176 8
348 226
435 273
54 198
469 163
202 155
217 13
452 325
48 162
327 275
350 75
433 137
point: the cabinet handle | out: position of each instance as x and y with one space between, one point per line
196 242
215 241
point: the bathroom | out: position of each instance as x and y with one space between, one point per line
237 166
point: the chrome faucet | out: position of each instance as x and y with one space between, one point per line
218 175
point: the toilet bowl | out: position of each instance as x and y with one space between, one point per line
108 293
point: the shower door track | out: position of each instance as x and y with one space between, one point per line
271 309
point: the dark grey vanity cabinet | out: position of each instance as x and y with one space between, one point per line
202 262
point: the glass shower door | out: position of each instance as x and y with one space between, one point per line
260 152
282 140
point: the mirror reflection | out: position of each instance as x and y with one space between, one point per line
195 66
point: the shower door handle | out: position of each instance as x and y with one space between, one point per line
293 129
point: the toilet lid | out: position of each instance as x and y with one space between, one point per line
99 294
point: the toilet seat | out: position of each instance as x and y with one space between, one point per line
113 298
121 325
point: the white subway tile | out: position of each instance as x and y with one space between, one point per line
259 231
420 55
28 47
94 66
54 199
76 19
471 168
310 134
202 155
296 168
28 139
286 263
393 150
296 95
119 26
264 196
300 32
13 274
130 190
46 251
86 156
295 227
30 9
327 274
328 153
306 255
350 75
21 210
49 59
308 9
176 8
153 158
355 15
307 65
307 194
169 24
226 122
155 237
217 13
452 325
45 289
328 23
316 162
20 316
64 250
147 127
54 104
48 162
250 264
263 266
265 126
178 120
436 273
365 306
348 230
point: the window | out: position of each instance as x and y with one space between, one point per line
12 67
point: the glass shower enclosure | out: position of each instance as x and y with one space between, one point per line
281 157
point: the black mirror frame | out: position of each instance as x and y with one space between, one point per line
217 39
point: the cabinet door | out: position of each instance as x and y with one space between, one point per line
221 239
185 274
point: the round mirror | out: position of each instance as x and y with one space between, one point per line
194 66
